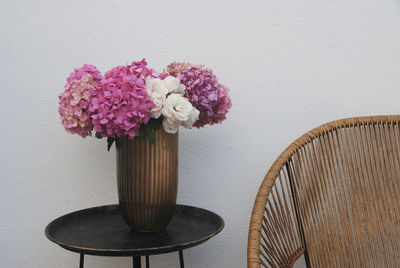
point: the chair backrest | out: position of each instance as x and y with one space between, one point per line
333 195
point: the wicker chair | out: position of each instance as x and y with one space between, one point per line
332 195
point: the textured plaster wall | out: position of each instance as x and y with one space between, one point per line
291 65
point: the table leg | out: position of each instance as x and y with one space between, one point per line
137 261
147 261
181 259
81 260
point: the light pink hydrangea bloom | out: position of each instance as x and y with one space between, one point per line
204 92
74 101
121 105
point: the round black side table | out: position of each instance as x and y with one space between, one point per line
102 231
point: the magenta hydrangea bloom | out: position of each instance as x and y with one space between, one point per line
204 92
74 101
121 104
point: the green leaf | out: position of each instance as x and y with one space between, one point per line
141 131
110 142
154 127
97 135
154 124
150 135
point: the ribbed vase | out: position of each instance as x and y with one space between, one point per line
147 177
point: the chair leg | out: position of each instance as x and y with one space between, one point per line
147 261
81 259
181 259
137 261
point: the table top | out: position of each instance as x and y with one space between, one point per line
102 231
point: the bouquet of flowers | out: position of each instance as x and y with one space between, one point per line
134 100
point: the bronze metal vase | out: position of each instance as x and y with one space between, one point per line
147 177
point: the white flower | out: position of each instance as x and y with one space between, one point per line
177 108
174 85
157 91
178 111
193 117
170 126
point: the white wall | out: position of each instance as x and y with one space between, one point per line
291 65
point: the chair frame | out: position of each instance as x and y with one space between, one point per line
282 163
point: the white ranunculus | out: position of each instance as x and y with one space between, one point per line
174 85
177 108
193 117
157 91
170 126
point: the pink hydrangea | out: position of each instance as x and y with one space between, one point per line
121 105
74 100
204 92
